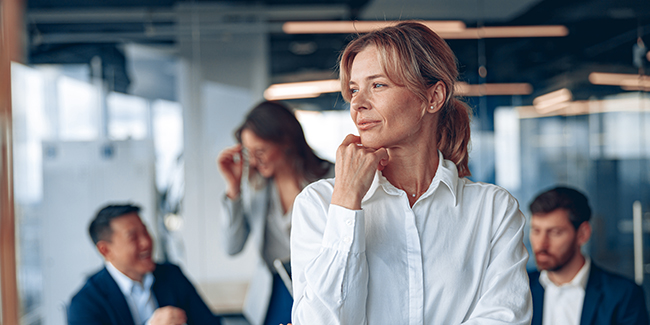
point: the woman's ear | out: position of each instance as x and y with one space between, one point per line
437 95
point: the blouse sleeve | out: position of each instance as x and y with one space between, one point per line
505 293
235 224
328 262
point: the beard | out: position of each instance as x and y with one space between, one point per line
554 262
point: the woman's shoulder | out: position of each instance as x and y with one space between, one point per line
314 198
470 188
324 186
498 206
318 192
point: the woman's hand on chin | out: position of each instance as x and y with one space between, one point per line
355 170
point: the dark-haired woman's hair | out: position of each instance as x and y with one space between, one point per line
272 121
414 56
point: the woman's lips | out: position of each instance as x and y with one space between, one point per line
366 124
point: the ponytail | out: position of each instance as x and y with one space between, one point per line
454 134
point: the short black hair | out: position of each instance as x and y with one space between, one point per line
571 200
100 227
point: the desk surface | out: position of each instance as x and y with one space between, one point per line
225 297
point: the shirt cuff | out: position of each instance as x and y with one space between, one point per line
345 230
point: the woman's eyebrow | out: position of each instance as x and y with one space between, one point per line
374 76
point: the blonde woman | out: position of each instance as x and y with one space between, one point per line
400 236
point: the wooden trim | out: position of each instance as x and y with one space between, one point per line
10 49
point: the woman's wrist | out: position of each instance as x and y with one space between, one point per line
233 193
346 200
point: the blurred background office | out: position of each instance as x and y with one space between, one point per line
133 100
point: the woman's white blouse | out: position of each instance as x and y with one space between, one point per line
455 257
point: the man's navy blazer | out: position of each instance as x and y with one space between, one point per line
101 301
609 299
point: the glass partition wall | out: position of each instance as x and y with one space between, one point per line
603 150
78 147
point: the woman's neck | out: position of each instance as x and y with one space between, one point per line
412 170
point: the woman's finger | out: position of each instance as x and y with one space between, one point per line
355 169
382 155
350 138
230 155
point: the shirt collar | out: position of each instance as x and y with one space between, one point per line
579 280
447 173
125 283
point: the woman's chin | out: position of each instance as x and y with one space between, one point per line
369 143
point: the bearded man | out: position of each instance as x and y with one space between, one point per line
571 289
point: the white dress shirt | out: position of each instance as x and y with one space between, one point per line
455 257
563 304
139 297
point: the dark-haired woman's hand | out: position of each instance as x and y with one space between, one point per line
355 170
231 166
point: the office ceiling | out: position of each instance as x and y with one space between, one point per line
601 37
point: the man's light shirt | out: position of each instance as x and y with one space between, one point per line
139 297
563 304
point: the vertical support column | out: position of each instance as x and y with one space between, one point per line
10 31
224 71
637 221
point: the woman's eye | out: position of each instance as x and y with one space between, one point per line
377 85
354 91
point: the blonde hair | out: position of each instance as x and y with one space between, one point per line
414 56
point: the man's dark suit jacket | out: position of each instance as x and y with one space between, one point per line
101 301
609 299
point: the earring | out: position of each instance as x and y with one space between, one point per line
432 108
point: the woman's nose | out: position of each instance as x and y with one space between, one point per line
359 100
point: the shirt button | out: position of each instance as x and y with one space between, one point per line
349 222
347 239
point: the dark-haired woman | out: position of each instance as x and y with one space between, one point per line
264 173
401 237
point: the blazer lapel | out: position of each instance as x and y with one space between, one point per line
163 295
537 292
114 297
593 295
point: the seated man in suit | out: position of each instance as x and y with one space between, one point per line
132 289
572 289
